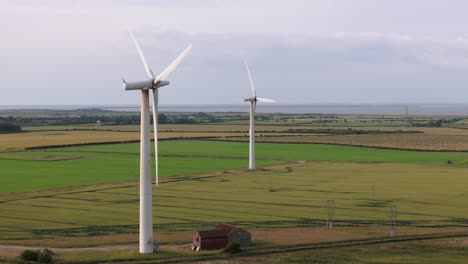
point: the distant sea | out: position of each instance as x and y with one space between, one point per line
369 109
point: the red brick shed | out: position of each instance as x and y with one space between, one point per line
220 236
210 239
236 234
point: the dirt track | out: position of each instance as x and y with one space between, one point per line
11 251
272 237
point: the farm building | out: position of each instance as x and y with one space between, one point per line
219 237
210 239
236 233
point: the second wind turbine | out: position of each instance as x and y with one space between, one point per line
253 103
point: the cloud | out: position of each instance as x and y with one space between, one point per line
299 51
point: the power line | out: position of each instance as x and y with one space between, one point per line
331 213
392 218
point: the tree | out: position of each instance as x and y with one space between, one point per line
9 128
162 118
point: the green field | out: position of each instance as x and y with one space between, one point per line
92 191
205 182
33 170
284 152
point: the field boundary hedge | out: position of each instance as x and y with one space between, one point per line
327 143
112 142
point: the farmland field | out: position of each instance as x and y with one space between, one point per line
422 193
19 141
428 252
427 191
430 142
417 138
60 167
62 196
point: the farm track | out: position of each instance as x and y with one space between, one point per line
254 252
276 249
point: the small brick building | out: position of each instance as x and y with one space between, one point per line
236 233
219 237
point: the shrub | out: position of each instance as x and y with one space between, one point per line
29 255
45 256
232 248
40 256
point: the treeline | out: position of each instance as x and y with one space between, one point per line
108 119
76 120
348 131
9 128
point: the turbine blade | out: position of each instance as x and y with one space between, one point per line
163 75
250 78
265 100
145 63
155 128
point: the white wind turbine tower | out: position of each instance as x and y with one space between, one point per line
253 103
146 220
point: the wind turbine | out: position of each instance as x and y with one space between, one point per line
146 220
253 103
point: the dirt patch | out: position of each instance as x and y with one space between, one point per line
449 242
291 236
9 253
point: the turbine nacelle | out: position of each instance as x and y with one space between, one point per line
258 99
143 85
250 99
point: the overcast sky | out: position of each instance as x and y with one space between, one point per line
329 51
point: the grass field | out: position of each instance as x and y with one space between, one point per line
29 170
425 195
92 191
283 152
41 170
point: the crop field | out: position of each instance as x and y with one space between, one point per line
414 138
60 167
215 127
19 141
96 188
430 142
425 196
